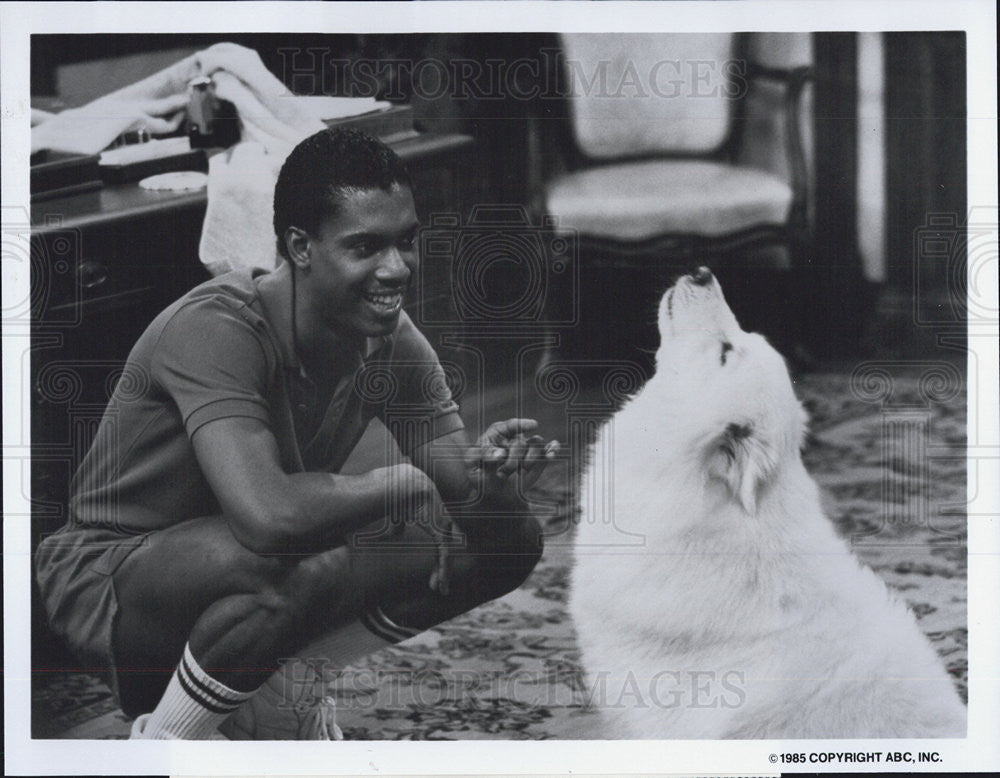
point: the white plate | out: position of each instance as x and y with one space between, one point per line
176 181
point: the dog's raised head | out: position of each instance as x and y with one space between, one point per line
728 390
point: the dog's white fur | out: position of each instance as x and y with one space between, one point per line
741 614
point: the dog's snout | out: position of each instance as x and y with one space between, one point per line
702 276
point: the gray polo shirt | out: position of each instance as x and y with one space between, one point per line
214 354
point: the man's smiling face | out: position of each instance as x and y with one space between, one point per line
362 261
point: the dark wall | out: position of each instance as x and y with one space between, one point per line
927 155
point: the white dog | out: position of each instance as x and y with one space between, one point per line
740 613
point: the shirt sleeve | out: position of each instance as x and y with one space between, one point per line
421 407
211 360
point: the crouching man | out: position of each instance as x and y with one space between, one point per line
211 532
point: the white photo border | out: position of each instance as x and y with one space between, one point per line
980 751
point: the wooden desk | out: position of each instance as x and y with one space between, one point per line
119 204
104 263
105 226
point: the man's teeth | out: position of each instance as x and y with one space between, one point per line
386 300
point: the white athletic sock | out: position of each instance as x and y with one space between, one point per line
192 707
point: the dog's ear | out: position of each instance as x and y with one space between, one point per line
743 460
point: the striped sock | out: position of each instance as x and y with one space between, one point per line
193 706
378 623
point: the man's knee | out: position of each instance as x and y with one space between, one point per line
525 550
275 617
297 595
278 583
199 568
319 583
505 561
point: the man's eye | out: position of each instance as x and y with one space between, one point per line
408 242
726 348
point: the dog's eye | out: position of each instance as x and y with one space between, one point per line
726 348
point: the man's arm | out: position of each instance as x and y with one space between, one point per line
502 540
488 477
482 481
272 512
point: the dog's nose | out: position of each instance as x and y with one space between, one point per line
702 276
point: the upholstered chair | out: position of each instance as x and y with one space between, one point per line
675 150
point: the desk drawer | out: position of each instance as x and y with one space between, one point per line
145 264
67 280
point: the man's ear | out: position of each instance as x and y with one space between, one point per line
742 460
297 244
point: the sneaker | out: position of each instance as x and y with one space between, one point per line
139 730
139 727
322 722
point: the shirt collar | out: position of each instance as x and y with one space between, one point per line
374 345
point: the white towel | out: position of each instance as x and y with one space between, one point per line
238 231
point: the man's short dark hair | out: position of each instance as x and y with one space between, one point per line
322 169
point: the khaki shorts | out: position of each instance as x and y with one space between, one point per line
75 570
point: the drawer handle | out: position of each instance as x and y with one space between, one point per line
90 274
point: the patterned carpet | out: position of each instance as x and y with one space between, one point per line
888 448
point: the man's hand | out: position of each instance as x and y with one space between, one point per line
413 499
508 456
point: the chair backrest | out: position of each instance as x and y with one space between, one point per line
643 94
